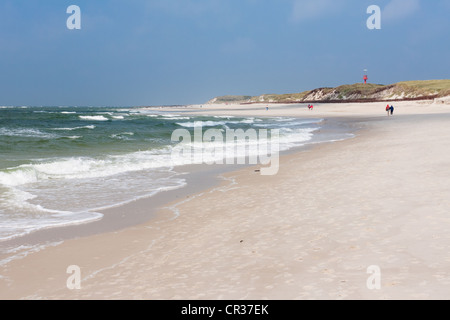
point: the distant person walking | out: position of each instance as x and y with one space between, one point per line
391 109
388 109
310 107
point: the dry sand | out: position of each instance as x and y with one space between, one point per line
309 232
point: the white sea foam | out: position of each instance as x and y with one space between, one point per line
23 251
15 227
224 117
203 123
170 115
26 132
215 123
87 167
91 127
247 121
29 213
122 136
17 177
36 217
94 118
82 168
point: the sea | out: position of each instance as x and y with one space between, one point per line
60 166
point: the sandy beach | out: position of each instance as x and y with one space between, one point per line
309 232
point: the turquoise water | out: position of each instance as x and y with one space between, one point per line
60 164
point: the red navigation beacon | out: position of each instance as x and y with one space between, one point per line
365 78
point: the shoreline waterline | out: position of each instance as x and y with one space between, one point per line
47 181
197 177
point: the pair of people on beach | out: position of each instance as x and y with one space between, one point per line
310 107
390 110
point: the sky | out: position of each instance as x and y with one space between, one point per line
170 52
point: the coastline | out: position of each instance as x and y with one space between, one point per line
198 178
152 260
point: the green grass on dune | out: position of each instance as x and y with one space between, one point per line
426 87
406 89
230 99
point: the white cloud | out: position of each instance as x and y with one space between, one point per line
400 9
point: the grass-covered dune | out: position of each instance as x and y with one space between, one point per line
408 90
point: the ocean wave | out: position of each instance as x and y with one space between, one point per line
122 136
214 123
82 168
26 133
90 127
94 118
247 121
224 117
23 212
88 167
37 217
202 123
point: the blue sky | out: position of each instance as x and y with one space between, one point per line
162 52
